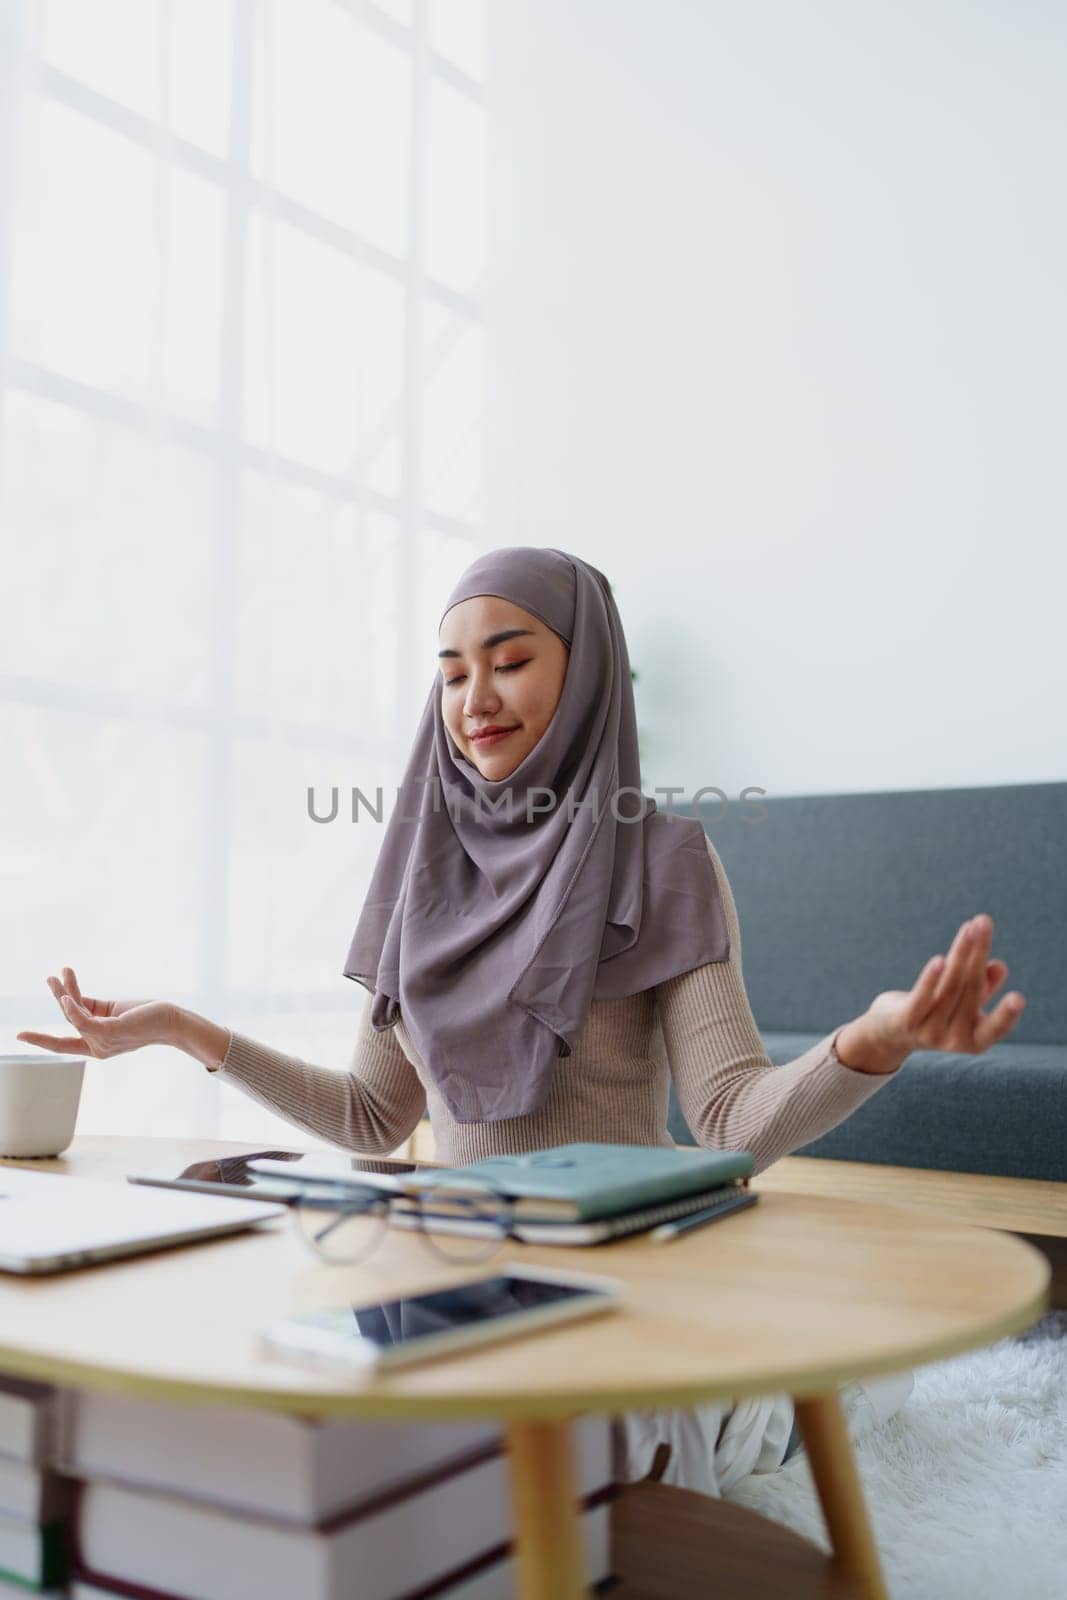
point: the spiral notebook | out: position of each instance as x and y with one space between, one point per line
591 1182
720 1202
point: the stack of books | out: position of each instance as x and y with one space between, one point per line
581 1194
33 1499
219 1503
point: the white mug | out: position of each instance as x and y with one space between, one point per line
39 1097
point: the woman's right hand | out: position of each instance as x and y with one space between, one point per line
107 1027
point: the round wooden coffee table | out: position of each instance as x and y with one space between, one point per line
796 1295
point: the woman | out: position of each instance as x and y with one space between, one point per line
544 951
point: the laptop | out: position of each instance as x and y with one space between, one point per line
49 1223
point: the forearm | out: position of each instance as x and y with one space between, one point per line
370 1109
752 1105
199 1037
730 1093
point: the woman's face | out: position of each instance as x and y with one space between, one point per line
491 681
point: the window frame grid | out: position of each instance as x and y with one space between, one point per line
22 74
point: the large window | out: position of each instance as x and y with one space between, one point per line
242 276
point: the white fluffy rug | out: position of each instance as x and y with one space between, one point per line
967 1484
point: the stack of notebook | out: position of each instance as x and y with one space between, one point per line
578 1194
33 1500
225 1504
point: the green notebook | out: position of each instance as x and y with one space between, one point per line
583 1182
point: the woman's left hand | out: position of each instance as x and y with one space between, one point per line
943 1010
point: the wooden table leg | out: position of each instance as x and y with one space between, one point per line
833 1467
545 1496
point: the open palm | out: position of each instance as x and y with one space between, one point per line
107 1027
943 1010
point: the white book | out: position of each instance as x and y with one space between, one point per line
286 1467
30 1553
499 1580
32 1493
26 1411
19 1591
393 1547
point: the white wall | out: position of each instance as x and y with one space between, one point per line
779 335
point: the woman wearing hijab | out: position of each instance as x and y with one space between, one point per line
544 952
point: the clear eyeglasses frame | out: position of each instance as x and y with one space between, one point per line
345 1223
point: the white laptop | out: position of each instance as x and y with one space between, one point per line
49 1223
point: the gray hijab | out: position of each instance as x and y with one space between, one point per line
492 930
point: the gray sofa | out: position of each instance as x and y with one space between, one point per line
841 896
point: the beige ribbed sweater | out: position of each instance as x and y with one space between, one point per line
613 1088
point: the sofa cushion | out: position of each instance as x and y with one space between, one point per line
1003 1113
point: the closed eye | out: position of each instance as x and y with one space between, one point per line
512 666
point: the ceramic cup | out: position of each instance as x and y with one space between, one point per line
39 1097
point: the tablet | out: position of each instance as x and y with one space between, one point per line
517 1301
289 1171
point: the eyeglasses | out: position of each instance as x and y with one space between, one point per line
345 1222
